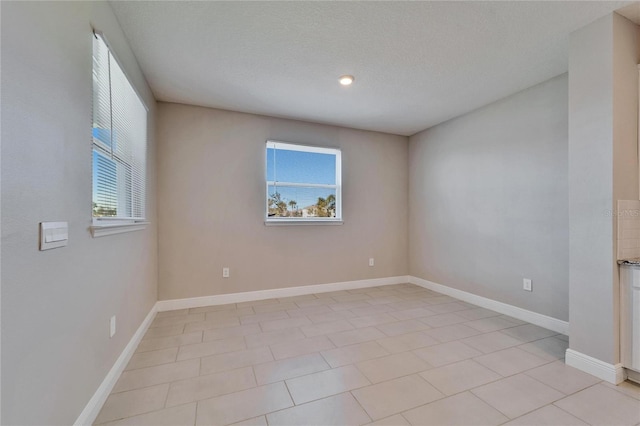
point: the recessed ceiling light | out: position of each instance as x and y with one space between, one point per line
346 80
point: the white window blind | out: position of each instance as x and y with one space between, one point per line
304 183
119 141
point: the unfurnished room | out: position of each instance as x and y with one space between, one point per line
320 213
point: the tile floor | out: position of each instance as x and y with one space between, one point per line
390 355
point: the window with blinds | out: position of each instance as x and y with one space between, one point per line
119 141
304 183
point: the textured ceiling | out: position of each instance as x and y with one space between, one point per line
416 64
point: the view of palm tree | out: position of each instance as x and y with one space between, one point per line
277 207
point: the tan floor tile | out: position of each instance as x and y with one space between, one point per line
402 327
212 324
352 337
392 366
273 337
370 310
211 385
446 308
396 420
311 310
325 383
213 308
336 410
171 330
354 353
213 347
232 360
550 348
600 405
169 342
487 325
464 409
182 415
411 313
330 316
320 301
477 313
326 328
149 376
442 320
458 377
528 332
127 404
561 377
227 314
174 313
151 358
628 388
267 316
301 347
243 405
491 342
351 297
179 320
439 300
378 300
344 306
286 323
392 397
510 361
407 304
517 395
549 415
452 332
256 421
289 368
407 342
446 353
275 307
234 331
371 320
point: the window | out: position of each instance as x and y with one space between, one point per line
119 143
303 184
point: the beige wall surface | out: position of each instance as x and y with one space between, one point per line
488 201
211 206
56 304
603 168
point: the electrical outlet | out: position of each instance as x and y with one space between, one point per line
371 262
526 284
112 326
225 272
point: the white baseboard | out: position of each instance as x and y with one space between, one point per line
93 407
223 299
608 372
522 314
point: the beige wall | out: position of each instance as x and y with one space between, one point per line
603 168
212 196
56 304
488 201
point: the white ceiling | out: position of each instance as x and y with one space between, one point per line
416 64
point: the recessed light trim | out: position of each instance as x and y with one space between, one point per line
346 80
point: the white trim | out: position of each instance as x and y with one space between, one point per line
286 221
119 228
93 407
223 299
544 321
603 370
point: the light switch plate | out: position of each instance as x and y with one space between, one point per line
53 235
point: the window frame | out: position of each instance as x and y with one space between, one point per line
106 225
337 152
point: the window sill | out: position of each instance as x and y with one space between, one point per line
301 222
116 228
